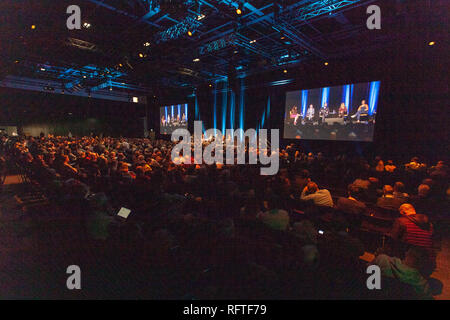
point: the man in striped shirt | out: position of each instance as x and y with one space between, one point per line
413 229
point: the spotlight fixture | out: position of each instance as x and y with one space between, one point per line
200 17
326 63
283 37
285 71
120 65
33 27
431 43
196 60
253 41
86 25
238 11
141 55
146 44
42 69
189 33
17 61
210 85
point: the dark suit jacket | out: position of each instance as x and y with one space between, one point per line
390 203
351 206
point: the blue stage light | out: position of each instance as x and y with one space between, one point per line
304 102
325 95
373 96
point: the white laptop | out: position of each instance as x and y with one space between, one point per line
124 212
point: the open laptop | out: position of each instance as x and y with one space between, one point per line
123 213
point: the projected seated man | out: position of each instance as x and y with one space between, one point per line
363 109
324 111
342 110
310 112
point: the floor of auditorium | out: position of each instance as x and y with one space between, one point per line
35 250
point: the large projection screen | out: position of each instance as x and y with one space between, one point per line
173 117
344 112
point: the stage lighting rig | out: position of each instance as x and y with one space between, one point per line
175 7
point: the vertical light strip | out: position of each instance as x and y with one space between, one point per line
346 95
179 110
352 86
172 113
241 108
373 96
186 112
263 118
224 106
304 102
232 108
325 94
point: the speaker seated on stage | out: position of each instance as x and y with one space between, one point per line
343 111
362 111
310 113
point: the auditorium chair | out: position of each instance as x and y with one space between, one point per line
385 213
364 117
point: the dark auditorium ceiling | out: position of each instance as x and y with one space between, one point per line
139 45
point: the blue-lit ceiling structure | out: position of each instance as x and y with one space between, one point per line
135 46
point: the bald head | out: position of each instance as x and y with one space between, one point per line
407 209
423 190
387 189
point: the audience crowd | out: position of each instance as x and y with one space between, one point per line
298 234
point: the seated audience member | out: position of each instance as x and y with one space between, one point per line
388 201
351 204
399 193
362 182
306 232
371 194
415 165
300 180
66 168
407 270
124 172
413 228
380 166
439 171
422 201
275 218
321 197
390 167
251 208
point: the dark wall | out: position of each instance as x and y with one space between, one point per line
34 112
